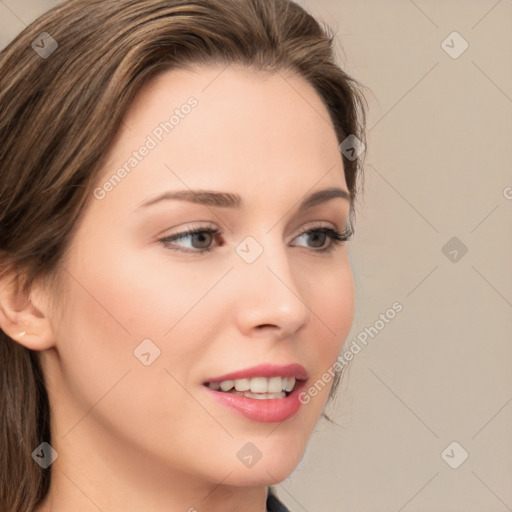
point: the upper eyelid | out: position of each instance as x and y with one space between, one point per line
219 232
333 223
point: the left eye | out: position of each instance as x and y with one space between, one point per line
201 239
319 236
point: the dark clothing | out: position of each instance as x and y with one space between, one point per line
273 503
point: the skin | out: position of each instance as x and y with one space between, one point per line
132 437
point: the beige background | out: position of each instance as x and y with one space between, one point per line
438 165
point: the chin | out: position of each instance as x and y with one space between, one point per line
278 458
271 474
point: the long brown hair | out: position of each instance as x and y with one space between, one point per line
60 109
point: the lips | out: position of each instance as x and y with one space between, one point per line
253 392
264 370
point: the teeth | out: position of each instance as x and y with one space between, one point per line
256 385
264 396
243 384
259 385
226 385
290 384
275 385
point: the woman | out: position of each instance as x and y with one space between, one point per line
175 281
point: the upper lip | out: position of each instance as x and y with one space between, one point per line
265 370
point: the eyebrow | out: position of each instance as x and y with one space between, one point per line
232 200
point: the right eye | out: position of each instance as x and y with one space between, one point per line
200 239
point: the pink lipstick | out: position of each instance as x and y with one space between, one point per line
265 393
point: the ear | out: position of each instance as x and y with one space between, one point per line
24 315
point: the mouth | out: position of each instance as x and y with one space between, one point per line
265 393
258 388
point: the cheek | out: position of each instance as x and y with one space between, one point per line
105 383
332 302
332 299
135 293
113 303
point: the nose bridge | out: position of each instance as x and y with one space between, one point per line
271 293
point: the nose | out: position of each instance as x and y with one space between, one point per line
270 295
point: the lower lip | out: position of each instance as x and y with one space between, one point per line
272 410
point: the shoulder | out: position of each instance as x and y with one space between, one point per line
273 503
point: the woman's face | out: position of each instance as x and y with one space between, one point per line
145 322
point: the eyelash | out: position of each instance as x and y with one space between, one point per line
336 237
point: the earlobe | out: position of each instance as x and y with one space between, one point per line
20 319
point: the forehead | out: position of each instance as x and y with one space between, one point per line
233 101
213 126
